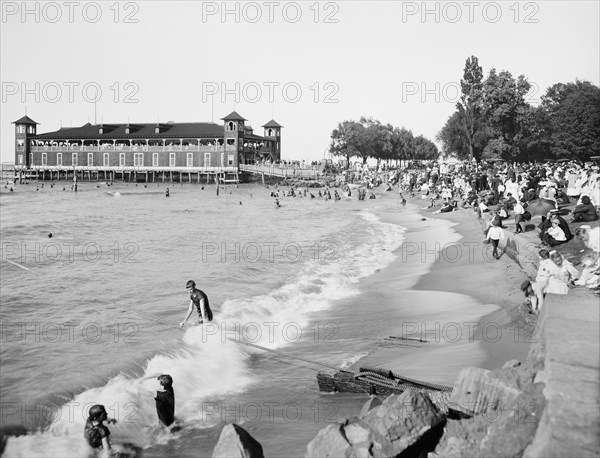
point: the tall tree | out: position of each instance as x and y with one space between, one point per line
470 106
347 139
402 144
504 109
378 140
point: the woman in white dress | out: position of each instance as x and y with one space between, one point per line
558 274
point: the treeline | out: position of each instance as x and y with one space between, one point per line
493 119
368 138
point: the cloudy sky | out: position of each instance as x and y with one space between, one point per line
308 65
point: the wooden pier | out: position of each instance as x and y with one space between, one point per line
128 174
281 171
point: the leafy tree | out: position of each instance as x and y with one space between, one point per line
534 144
453 137
470 106
347 140
402 144
425 149
573 113
494 120
378 140
369 138
504 110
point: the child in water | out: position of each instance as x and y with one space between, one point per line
165 401
95 432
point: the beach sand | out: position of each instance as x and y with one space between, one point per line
465 300
489 281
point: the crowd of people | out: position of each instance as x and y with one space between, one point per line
564 195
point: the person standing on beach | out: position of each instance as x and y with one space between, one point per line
519 212
495 234
199 299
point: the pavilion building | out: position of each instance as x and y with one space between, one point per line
146 152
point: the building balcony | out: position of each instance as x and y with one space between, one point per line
135 148
130 169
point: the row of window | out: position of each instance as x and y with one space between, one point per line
21 129
138 159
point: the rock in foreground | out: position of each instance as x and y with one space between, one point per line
236 442
407 424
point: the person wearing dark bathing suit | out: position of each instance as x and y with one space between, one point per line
95 432
200 300
165 401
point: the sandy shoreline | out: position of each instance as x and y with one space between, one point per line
465 273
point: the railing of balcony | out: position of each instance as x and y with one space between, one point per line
127 169
281 170
137 148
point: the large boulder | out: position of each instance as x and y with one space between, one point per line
373 402
331 442
478 391
236 442
495 434
407 424
408 420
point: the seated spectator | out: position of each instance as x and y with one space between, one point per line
558 274
547 224
590 277
561 197
509 203
543 270
554 235
585 212
447 207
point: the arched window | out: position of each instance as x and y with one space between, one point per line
270 133
231 125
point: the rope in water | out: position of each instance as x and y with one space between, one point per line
381 380
367 376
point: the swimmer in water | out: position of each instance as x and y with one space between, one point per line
165 400
96 434
199 299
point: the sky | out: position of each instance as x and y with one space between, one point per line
309 65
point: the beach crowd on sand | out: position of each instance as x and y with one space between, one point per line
508 193
565 195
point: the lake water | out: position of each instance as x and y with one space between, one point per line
89 312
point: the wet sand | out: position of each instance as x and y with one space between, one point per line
462 300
